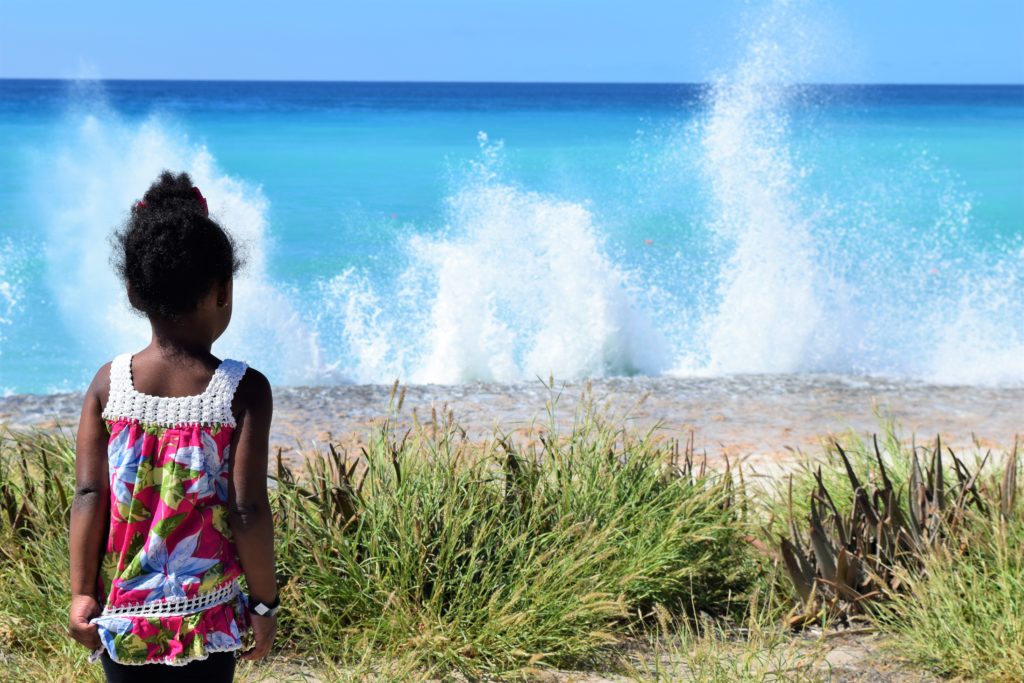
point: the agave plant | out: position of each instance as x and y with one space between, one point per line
845 560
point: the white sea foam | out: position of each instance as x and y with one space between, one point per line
517 286
10 294
768 305
368 349
848 284
10 285
97 172
982 340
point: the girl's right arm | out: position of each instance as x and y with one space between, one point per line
89 511
252 525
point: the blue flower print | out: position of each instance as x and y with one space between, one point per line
166 575
219 641
212 468
194 457
123 461
108 628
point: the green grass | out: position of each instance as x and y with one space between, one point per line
434 553
502 558
36 484
428 555
964 614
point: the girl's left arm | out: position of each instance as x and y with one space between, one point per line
89 511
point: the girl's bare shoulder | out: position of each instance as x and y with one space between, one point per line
99 388
254 395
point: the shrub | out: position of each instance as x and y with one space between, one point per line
497 557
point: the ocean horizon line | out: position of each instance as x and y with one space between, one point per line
313 81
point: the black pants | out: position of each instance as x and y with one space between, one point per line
219 667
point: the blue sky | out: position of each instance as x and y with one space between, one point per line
895 41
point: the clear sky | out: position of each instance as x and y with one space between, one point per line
894 41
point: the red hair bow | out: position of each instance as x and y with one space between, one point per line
202 200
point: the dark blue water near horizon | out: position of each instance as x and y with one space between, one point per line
297 95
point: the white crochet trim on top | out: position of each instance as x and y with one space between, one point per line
176 607
212 407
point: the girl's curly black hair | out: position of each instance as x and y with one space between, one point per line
169 252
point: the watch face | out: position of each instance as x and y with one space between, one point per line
263 609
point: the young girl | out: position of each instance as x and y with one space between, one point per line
170 506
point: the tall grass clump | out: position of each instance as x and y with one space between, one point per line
36 485
502 557
962 614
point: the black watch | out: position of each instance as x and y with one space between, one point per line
263 609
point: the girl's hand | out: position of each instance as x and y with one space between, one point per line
263 631
84 608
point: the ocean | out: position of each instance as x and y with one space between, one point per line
454 233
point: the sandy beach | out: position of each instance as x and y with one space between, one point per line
760 418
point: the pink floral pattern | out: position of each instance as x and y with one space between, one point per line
168 539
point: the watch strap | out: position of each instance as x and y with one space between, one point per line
264 609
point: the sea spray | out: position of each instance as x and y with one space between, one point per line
369 343
10 284
768 307
103 166
982 340
881 277
10 298
516 287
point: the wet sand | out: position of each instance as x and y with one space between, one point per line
761 418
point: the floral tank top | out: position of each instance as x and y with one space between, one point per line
169 574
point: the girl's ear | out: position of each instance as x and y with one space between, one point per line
224 293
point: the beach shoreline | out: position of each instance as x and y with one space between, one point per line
763 419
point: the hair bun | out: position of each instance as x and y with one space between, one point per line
173 192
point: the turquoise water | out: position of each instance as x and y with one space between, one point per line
454 233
